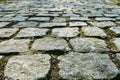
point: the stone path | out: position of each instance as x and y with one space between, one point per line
59 40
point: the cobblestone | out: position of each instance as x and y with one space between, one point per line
116 30
4 24
39 19
72 24
88 45
65 32
30 67
7 32
32 32
86 66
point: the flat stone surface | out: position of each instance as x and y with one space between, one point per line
7 32
103 24
110 15
88 45
116 30
116 41
32 32
59 19
65 32
12 45
79 19
4 24
54 24
47 44
72 24
93 32
28 67
104 19
19 18
39 19
26 24
89 66
47 15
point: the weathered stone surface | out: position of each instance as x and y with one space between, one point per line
116 30
118 56
12 45
79 19
110 15
4 24
32 32
26 24
104 19
19 18
59 19
92 14
89 66
65 32
116 41
72 24
39 18
47 15
28 67
7 32
88 45
102 24
47 44
93 31
54 24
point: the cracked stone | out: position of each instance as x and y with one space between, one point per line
28 67
116 30
39 19
26 24
54 24
103 24
7 32
12 45
72 24
116 41
93 32
65 32
47 44
4 24
32 32
89 66
88 45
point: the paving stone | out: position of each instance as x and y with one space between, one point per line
50 44
7 32
116 30
103 24
65 32
72 24
47 15
19 18
4 24
89 66
88 45
32 32
12 45
79 19
26 24
116 41
93 32
39 19
92 14
59 19
104 19
69 15
110 15
54 24
28 67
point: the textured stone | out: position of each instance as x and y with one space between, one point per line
54 24
118 56
65 32
50 44
47 15
19 18
12 45
59 19
39 18
72 24
28 67
92 14
89 66
79 19
102 24
26 24
32 32
4 24
88 45
116 41
104 19
93 31
7 32
116 30
111 15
